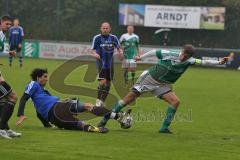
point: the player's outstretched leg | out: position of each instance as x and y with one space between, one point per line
129 98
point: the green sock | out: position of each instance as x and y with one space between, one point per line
118 106
133 76
126 76
168 118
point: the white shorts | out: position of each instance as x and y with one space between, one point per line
145 83
129 63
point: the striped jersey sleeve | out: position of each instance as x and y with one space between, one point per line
31 88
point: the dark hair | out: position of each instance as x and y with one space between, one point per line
189 49
37 72
6 18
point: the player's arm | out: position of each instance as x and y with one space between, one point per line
21 108
120 53
146 55
21 37
6 50
25 97
94 47
139 52
119 49
122 40
212 62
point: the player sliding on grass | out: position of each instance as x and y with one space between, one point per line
159 79
60 113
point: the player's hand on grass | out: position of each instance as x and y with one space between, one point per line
12 53
20 120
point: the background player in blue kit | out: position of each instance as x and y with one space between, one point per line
15 41
103 46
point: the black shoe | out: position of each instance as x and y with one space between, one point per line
166 131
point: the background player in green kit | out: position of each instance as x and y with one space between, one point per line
129 42
159 79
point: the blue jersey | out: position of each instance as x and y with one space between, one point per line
104 46
15 35
42 101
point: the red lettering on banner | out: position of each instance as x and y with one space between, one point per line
61 49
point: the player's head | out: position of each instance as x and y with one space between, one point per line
187 52
40 75
6 23
16 22
105 28
130 29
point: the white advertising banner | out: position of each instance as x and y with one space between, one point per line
172 16
62 50
66 51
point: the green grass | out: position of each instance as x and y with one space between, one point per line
208 127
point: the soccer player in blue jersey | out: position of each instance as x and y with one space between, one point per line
51 109
15 41
159 78
103 46
8 97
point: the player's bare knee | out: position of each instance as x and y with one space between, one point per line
130 97
175 102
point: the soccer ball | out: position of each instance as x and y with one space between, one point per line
126 121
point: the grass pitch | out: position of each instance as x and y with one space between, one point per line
206 126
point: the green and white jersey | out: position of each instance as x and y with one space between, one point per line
129 43
169 67
4 46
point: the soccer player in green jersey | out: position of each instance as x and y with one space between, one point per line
129 42
8 96
159 79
